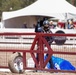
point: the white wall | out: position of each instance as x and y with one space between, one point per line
28 30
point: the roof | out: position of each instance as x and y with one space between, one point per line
52 8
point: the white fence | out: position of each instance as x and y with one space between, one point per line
26 41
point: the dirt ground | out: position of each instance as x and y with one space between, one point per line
31 73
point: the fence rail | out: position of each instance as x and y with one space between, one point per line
31 44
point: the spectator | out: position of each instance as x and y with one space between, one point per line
51 25
25 25
61 24
70 24
45 29
74 23
34 25
38 27
49 39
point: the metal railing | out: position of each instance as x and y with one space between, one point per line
37 47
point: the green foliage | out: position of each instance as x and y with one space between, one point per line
70 1
14 4
10 5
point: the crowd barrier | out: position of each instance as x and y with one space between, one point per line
17 47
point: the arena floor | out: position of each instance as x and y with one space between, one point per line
31 73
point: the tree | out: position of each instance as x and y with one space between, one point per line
73 2
10 5
15 4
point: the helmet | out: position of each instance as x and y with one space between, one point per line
46 25
46 22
